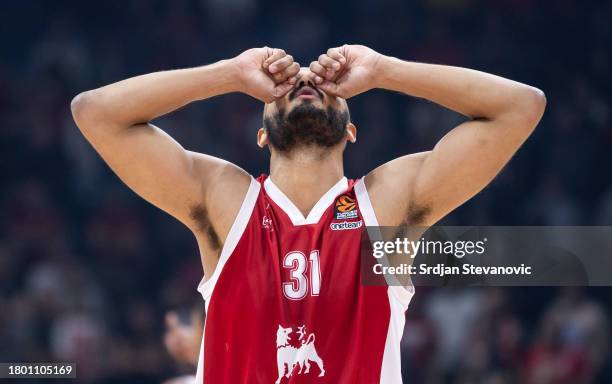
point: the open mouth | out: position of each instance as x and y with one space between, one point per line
306 92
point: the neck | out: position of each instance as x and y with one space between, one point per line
304 175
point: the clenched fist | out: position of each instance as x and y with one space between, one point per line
347 71
266 73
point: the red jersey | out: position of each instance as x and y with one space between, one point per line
285 303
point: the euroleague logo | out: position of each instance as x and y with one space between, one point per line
345 209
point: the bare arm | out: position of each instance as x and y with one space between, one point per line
429 185
115 119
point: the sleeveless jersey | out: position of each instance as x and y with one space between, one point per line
285 304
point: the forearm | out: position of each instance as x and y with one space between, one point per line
469 92
141 99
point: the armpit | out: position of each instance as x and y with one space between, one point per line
199 214
417 214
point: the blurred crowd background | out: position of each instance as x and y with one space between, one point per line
87 269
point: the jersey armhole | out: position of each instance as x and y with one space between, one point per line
403 294
234 235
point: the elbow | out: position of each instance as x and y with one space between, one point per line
532 106
525 109
538 101
85 107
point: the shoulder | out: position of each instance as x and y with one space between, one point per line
223 191
390 188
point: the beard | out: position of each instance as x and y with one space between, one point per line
306 125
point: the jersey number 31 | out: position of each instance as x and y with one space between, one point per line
303 273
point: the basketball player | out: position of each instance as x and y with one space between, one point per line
281 252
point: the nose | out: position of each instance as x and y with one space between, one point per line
305 82
305 77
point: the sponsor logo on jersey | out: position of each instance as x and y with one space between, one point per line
343 226
292 358
345 208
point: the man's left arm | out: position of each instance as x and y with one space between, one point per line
427 186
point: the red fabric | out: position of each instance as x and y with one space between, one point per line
347 322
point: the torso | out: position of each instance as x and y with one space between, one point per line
287 295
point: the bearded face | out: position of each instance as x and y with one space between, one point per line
306 117
306 125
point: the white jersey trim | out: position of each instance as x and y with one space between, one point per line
199 377
399 298
206 287
296 217
402 293
391 368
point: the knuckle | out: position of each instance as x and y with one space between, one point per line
275 94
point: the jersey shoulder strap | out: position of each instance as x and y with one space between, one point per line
234 235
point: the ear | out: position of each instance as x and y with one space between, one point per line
262 138
351 132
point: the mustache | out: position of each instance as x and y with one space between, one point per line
292 94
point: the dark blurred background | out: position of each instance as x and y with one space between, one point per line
87 269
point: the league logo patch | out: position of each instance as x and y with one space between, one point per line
345 208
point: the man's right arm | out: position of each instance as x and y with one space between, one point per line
115 119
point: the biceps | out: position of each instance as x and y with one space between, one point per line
153 165
463 163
